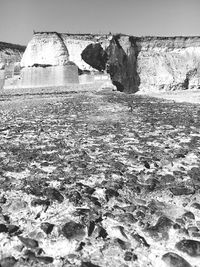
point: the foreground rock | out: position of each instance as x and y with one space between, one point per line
174 260
191 247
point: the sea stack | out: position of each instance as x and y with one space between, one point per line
46 62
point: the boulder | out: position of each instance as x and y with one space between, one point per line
95 56
121 64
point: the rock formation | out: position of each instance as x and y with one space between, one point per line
134 63
95 56
76 43
10 53
46 62
122 60
45 49
168 63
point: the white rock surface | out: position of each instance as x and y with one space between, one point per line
47 49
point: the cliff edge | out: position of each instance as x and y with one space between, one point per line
134 63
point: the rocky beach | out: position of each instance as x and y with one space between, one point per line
99 178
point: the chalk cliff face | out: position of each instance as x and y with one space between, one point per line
168 63
134 63
10 53
153 63
45 49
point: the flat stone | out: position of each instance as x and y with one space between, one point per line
174 260
3 228
47 227
163 224
161 227
40 202
141 240
28 242
189 215
53 194
73 230
128 256
179 191
45 259
196 206
8 262
88 264
13 229
193 229
191 247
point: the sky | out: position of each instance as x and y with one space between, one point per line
19 18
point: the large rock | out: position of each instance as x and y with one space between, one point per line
122 63
189 246
174 260
134 63
95 56
45 49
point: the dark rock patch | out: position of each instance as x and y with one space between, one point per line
73 230
28 242
95 56
8 262
174 260
191 247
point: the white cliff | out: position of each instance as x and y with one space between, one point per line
45 49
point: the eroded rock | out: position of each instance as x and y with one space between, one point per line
73 230
121 64
95 56
174 260
191 247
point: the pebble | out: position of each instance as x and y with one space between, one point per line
128 256
3 200
73 230
163 224
40 202
140 215
196 206
146 164
88 264
91 228
176 226
126 218
8 262
174 260
3 228
161 227
109 192
47 227
45 259
188 215
13 229
191 247
53 194
123 244
28 242
193 229
140 239
179 191
102 232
